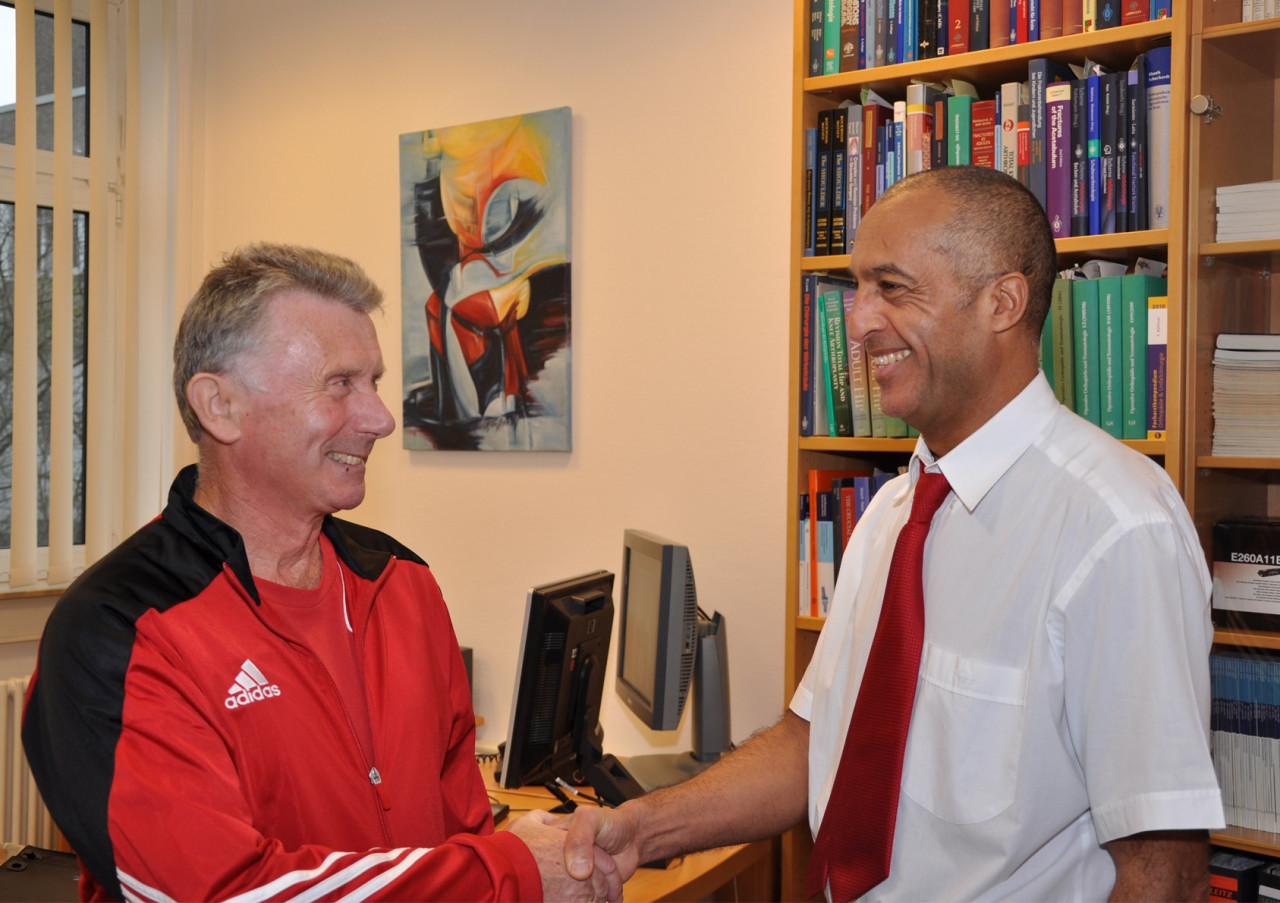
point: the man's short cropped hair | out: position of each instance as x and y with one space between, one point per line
998 227
222 319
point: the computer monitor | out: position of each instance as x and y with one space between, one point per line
667 649
554 730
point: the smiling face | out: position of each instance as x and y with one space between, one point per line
308 409
928 333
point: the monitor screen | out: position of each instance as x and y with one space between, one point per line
554 730
668 650
658 640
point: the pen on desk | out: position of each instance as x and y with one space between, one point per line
578 793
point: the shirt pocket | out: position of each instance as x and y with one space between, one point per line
966 737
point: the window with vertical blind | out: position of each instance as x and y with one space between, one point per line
44 291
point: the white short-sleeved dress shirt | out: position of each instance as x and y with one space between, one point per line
1063 699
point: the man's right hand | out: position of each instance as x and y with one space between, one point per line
592 831
544 835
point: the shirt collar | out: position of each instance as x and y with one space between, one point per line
977 463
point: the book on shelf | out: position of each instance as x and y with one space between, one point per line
1024 142
1235 341
822 190
892 32
1157 364
824 566
958 33
1133 11
810 189
1246 395
1090 15
859 382
844 499
1061 355
820 481
1137 216
807 285
836 364
879 430
959 136
1108 130
1000 27
1012 95
804 591
1111 377
1058 157
920 105
1019 21
850 26
1158 92
1079 157
982 133
831 37
1041 73
1122 151
980 23
839 148
1135 289
898 170
853 172
816 29
1086 338
875 113
928 43
940 141
1051 18
1093 150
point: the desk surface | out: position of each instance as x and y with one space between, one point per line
697 876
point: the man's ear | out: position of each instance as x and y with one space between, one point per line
1007 301
212 397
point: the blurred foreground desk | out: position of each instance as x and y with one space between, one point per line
745 872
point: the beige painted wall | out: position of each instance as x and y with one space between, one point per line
679 247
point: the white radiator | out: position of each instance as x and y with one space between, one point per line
23 817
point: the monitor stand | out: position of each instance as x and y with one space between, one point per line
658 770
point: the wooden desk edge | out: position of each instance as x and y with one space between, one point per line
696 876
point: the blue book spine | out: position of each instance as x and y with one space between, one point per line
865 26
808 286
944 31
891 48
816 30
910 31
811 189
1033 19
1093 112
899 151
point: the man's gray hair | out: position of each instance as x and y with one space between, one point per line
223 317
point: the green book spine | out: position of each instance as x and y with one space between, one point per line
960 150
859 396
1064 343
1084 317
878 429
1110 356
825 348
831 38
1134 291
833 310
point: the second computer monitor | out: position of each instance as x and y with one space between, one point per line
667 651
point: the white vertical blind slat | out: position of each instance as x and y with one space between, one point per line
61 434
101 490
22 524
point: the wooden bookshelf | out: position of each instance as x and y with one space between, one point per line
986 69
1229 284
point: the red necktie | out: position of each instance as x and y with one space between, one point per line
855 838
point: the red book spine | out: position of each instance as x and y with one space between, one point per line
958 14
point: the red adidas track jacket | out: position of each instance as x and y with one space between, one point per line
171 787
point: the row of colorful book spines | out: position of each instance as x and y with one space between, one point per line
1096 385
1089 202
918 29
1252 678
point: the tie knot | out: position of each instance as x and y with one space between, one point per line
931 490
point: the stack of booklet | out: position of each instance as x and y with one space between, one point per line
1249 212
1246 395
